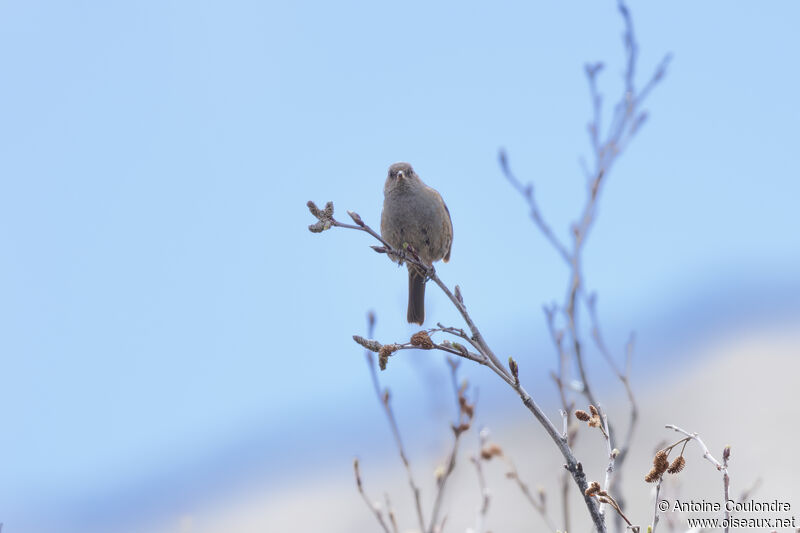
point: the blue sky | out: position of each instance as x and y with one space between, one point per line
162 305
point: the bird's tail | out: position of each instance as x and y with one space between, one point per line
416 296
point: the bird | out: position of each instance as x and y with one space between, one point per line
415 214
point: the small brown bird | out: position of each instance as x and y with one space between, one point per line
415 214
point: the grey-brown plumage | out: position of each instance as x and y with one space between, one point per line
415 214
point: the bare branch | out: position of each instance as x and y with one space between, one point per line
572 465
603 496
464 415
385 400
527 192
706 454
538 504
606 145
626 120
624 378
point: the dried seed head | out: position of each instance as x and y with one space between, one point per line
594 488
594 422
677 465
660 462
652 476
387 350
593 410
384 353
582 415
422 340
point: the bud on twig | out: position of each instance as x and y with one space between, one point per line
324 217
460 348
356 218
514 369
369 344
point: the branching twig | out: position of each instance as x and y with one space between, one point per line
627 118
624 377
466 412
511 377
661 465
385 400
706 454
538 504
596 491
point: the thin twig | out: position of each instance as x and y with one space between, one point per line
539 505
477 459
385 400
695 437
611 458
624 378
372 506
726 485
655 505
627 118
464 415
557 337
722 467
390 512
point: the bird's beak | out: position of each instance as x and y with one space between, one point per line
400 174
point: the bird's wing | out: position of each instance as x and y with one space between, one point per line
450 223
